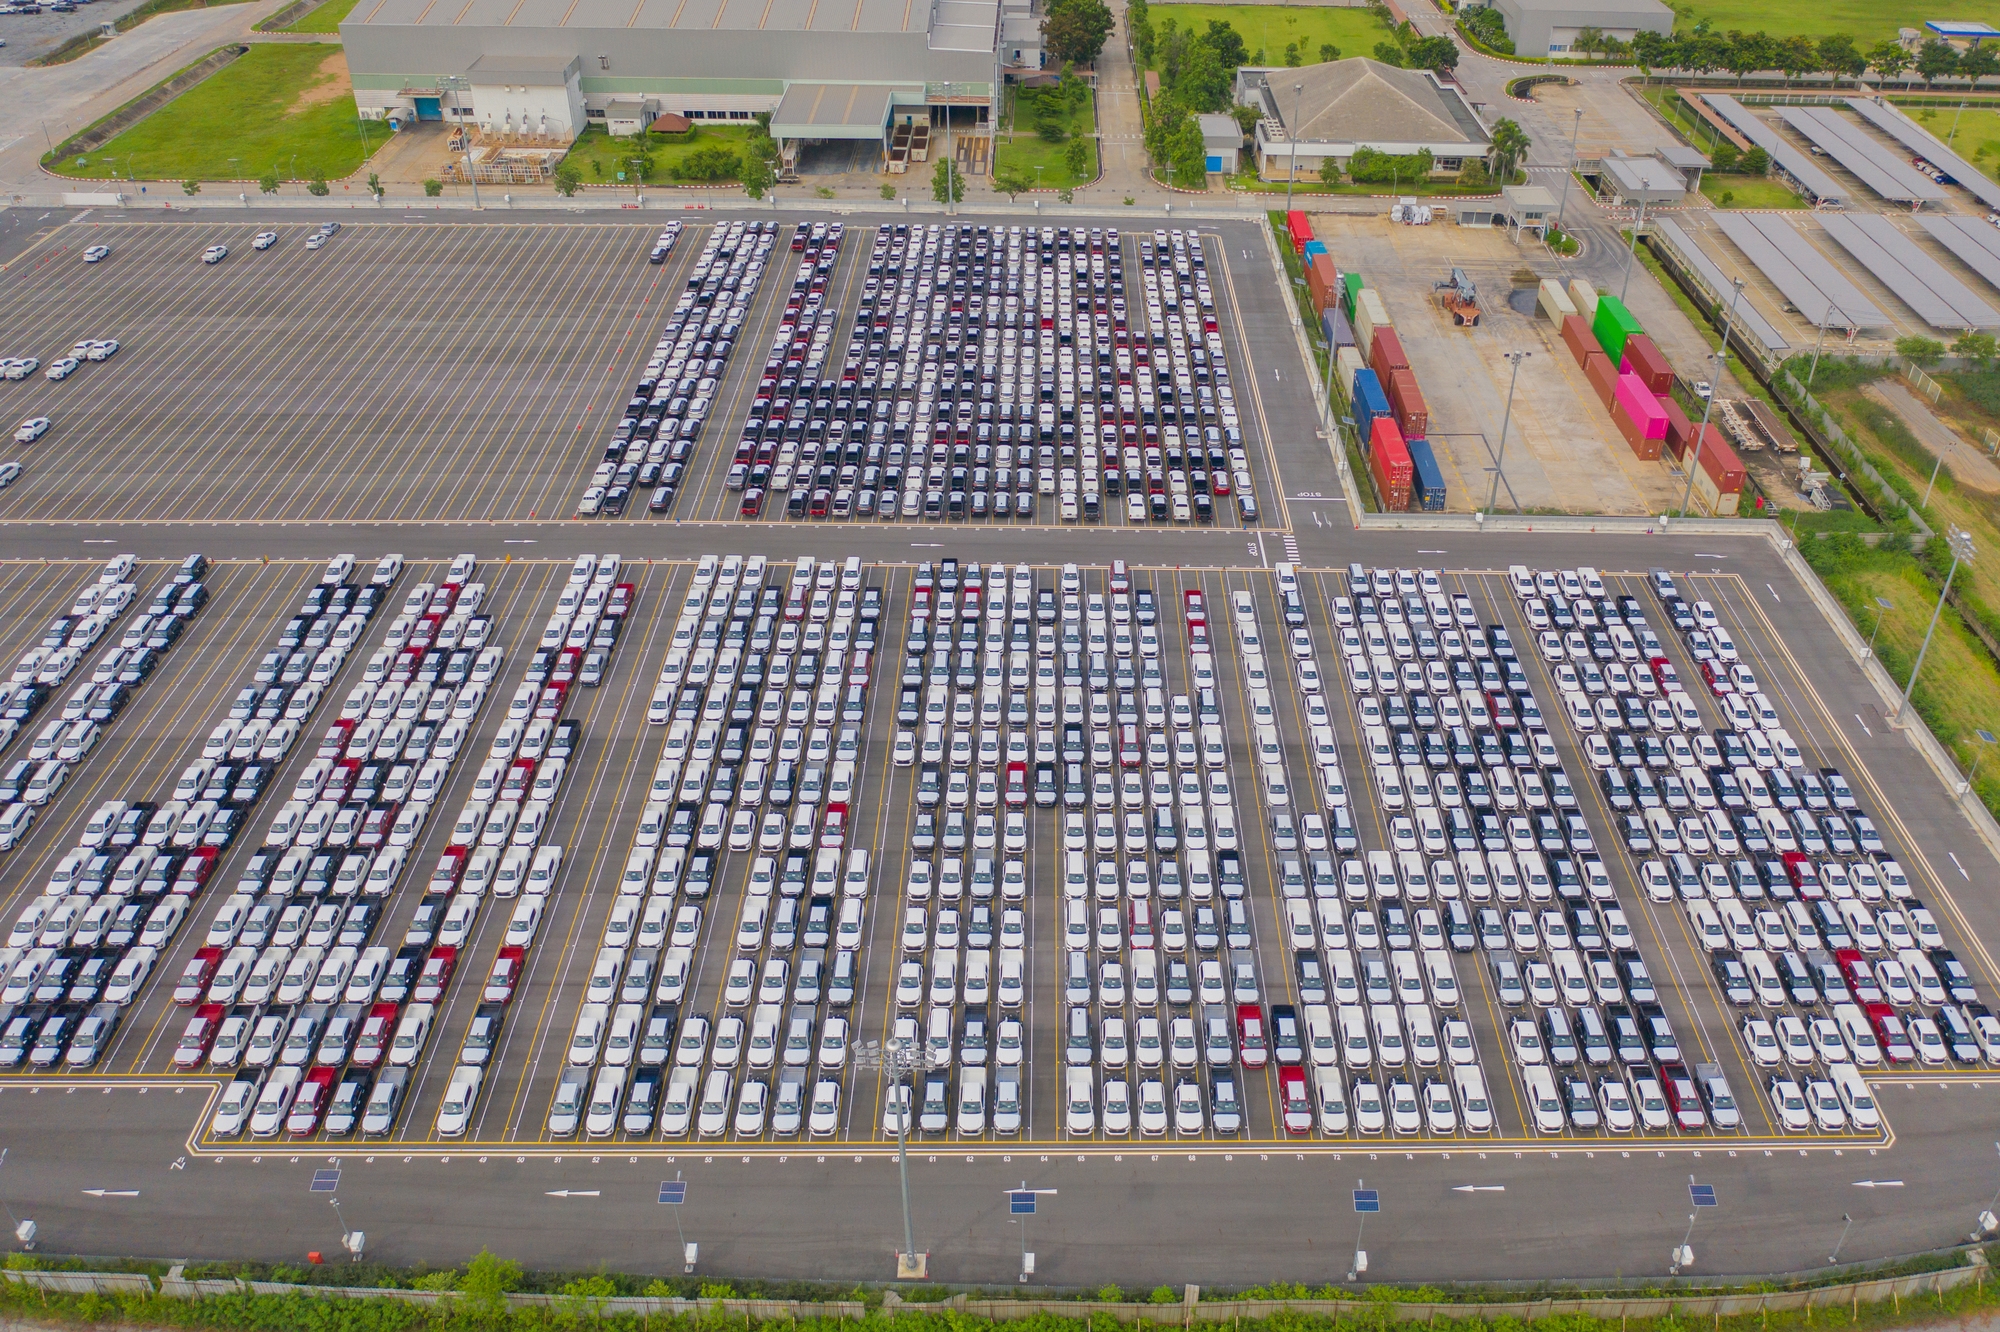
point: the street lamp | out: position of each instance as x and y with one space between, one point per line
1820 341
1932 485
1961 549
1632 253
1499 461
1293 136
1886 606
897 1058
1562 213
1985 738
1834 1257
1715 387
1683 1254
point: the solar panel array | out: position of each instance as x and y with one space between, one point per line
1795 163
1719 285
1927 146
1813 286
1876 165
1976 243
1918 280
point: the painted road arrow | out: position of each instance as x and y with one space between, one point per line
111 1193
1878 1183
573 1193
1479 1188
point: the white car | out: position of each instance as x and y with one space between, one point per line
96 254
9 473
31 430
215 254
19 367
60 368
265 240
100 349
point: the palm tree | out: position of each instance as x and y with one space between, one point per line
1510 146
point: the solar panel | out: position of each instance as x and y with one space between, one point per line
1962 236
1939 299
1927 146
325 1181
1795 163
1367 1200
1797 271
1021 1203
673 1191
1718 284
1874 165
1702 1195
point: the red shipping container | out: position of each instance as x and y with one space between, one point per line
1721 463
1710 442
1408 401
1635 434
1603 376
1389 463
1385 355
1300 229
1679 429
1644 359
1582 343
1323 281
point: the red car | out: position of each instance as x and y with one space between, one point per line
435 975
566 663
520 776
1295 1105
833 833
1017 785
334 743
377 1030
341 780
1890 1033
404 668
375 825
1197 607
195 870
620 603
1250 1042
198 1036
310 1102
753 506
549 706
196 975
450 867
1718 683
1664 672
505 975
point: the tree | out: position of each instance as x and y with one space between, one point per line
1510 147
1329 171
1077 158
1075 30
888 190
1433 53
947 182
268 182
1795 56
1587 40
1980 62
1389 54
1328 53
568 179
1203 83
1840 57
1227 43
375 186
758 177
1976 347
1652 51
433 188
1919 349
1049 124
1474 175
1372 166
487 1280
191 187
317 186
713 161
1889 58
1726 157
1292 57
1757 162
1936 60
1011 180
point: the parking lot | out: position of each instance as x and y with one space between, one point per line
1158 941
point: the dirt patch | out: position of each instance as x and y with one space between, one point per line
333 84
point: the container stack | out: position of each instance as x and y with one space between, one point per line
1389 463
1612 324
1347 363
1643 358
1369 402
1427 480
1322 281
1300 229
1555 303
1584 297
1350 291
1339 333
1369 315
1639 418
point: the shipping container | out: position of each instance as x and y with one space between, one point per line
1314 247
1555 302
1369 401
1644 359
1346 365
1584 297
1343 329
1633 431
1369 315
1385 354
1328 329
1612 324
1577 337
1678 449
1718 502
1720 464
1407 401
1641 406
1679 429
1350 289
1322 282
1426 479
1300 229
1389 464
1603 377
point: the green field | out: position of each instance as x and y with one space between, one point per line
1270 27
600 157
1019 147
283 108
324 19
1747 192
1867 21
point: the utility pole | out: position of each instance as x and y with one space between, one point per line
1633 252
1292 133
1961 549
1562 213
1715 387
1820 341
1500 460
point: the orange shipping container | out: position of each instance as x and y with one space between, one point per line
1408 401
1385 354
1603 376
1645 360
1582 343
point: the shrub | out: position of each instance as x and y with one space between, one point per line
432 188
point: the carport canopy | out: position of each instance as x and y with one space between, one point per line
832 111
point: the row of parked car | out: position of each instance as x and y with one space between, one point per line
661 424
782 783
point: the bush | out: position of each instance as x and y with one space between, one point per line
1372 166
1919 349
711 162
432 188
317 186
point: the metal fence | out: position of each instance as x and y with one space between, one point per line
1828 431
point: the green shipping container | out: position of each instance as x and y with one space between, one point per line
1350 287
1614 324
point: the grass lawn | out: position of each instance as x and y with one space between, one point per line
1020 148
324 19
1977 138
275 105
1270 27
600 157
1867 21
1747 192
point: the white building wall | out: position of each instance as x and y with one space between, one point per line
528 109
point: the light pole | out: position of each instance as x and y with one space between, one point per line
1500 460
455 84
1961 549
1834 1257
1820 341
1985 738
1632 253
1562 213
351 1240
1954 124
1721 363
896 1058
1293 137
1932 484
1683 1254
1885 606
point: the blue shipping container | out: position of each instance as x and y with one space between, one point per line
1426 481
1369 402
1314 247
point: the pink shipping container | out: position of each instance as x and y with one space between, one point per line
1641 406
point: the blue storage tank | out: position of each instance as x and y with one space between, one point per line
1426 480
1369 402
